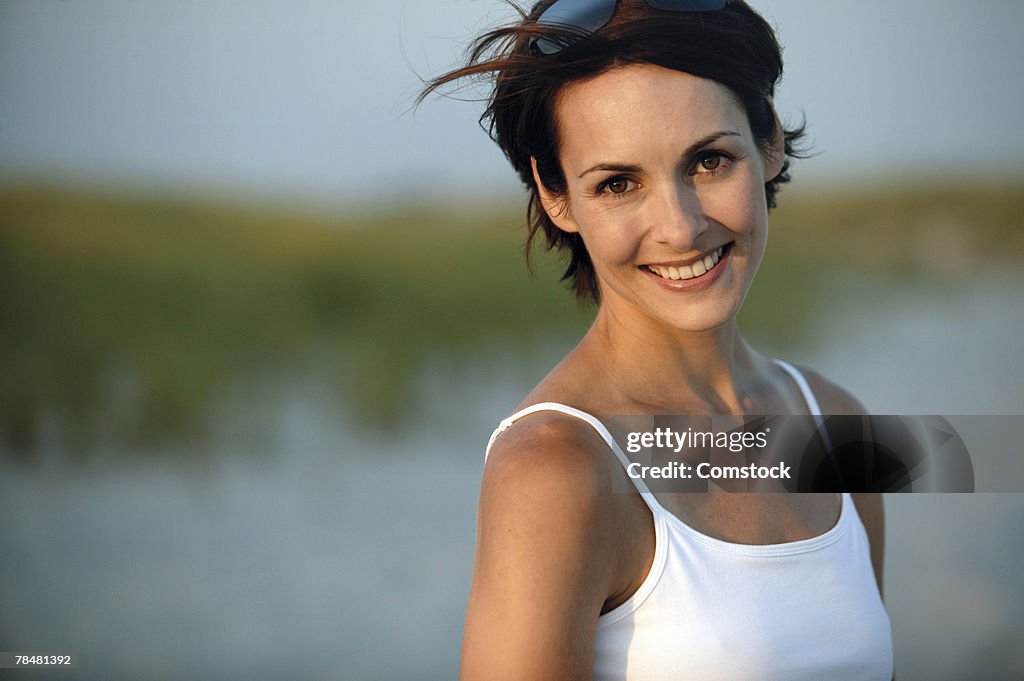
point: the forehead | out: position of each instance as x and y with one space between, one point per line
643 108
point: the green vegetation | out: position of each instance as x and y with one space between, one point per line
129 318
156 306
913 231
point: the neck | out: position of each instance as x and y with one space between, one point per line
713 371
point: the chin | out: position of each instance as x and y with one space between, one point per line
701 323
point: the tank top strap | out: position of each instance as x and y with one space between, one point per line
801 382
592 421
812 405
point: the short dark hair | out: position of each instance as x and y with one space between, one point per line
733 46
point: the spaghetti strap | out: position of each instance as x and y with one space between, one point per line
801 382
593 422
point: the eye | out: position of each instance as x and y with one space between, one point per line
711 163
616 185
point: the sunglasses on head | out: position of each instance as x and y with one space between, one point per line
591 15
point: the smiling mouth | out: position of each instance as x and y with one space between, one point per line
692 271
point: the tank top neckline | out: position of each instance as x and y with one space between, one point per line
663 515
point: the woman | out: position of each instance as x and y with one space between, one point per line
646 134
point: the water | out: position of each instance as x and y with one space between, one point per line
336 553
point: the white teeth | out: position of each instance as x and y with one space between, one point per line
689 271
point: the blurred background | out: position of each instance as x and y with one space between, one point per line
259 316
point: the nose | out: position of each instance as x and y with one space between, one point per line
677 217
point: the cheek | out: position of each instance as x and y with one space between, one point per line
743 209
611 235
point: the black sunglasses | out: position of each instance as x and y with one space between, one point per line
590 15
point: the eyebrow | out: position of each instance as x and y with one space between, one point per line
690 150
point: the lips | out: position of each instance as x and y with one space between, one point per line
693 270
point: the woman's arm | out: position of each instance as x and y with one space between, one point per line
544 560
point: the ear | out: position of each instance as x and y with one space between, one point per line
775 158
556 208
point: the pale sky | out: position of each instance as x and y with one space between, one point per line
310 99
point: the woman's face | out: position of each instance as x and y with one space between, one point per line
665 185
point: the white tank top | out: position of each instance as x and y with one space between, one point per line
712 610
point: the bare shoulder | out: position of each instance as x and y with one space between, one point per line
549 448
545 495
833 399
552 470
